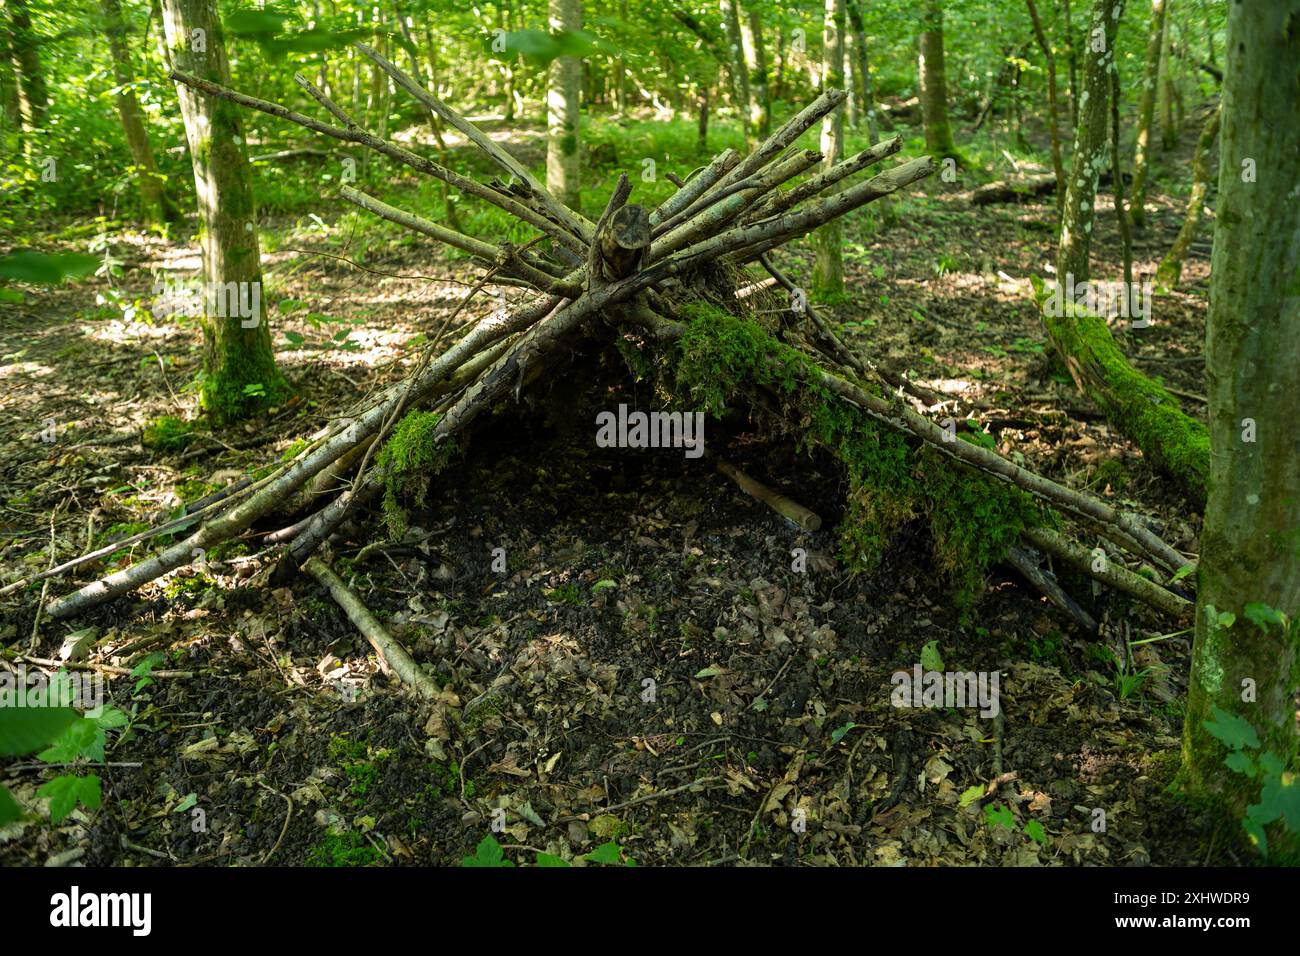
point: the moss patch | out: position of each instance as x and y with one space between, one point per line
410 457
973 518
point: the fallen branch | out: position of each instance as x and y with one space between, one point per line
392 655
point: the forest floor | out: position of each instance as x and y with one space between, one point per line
770 737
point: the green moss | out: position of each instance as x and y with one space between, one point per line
411 456
1139 407
168 434
191 491
358 763
294 450
444 781
241 379
343 849
973 518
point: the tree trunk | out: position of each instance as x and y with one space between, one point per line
1138 407
1117 182
564 112
862 70
1146 112
29 80
736 66
620 69
828 269
751 35
1171 267
702 120
239 375
154 203
1053 131
934 83
1168 129
1248 546
1072 60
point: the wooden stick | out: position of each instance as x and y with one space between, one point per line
778 502
391 653
354 134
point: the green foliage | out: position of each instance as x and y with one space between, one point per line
66 791
610 854
40 268
1279 788
410 458
997 815
62 735
487 853
168 434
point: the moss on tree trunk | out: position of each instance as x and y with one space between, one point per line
240 377
1245 660
1137 406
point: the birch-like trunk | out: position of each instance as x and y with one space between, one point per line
564 112
736 66
751 35
828 269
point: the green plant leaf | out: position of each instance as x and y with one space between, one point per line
931 660
971 794
607 853
25 729
1034 830
1279 798
549 859
67 791
1263 616
997 815
838 734
84 738
487 853
9 809
1232 730
1241 762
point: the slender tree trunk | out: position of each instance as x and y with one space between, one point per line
751 35
1168 129
934 83
564 112
1138 407
828 269
1171 267
620 69
852 105
736 66
1146 112
1249 667
1053 129
1072 61
1117 182
239 372
153 199
29 79
702 120
863 71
